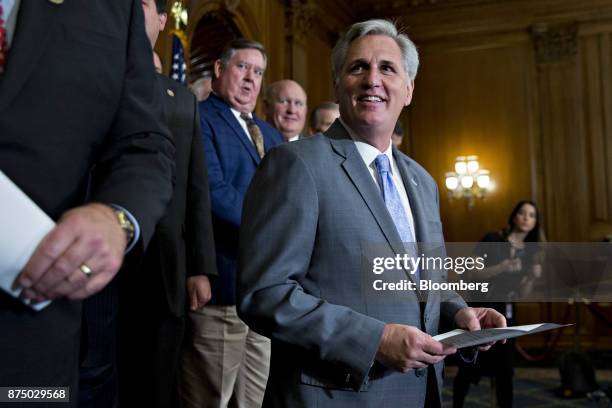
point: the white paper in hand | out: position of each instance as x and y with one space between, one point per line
23 225
462 338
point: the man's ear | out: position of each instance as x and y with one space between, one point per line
218 68
410 91
163 18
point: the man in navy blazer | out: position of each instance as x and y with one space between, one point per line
316 212
223 349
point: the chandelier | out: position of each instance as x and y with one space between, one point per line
468 181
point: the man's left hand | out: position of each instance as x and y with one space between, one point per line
476 318
85 238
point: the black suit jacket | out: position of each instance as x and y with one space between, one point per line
76 106
78 122
183 244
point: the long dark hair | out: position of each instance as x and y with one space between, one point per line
537 233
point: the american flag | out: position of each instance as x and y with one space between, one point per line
179 68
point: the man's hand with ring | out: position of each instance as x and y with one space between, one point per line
78 257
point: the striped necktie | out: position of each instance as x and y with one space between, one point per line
255 133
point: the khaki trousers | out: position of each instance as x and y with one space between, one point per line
224 363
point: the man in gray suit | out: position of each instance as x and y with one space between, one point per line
312 208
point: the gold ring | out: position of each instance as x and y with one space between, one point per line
86 270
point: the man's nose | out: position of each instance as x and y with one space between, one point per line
373 78
249 75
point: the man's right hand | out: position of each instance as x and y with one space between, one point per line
198 289
87 235
404 348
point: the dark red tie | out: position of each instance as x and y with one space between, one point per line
3 46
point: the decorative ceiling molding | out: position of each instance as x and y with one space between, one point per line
554 43
468 23
320 18
302 14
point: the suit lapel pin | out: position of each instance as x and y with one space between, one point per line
56 1
170 92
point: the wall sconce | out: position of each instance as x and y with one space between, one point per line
468 181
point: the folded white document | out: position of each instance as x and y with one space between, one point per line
462 338
23 225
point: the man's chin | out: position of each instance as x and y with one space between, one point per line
242 105
370 122
290 130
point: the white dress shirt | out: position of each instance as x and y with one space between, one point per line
369 153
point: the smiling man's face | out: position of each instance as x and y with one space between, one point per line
287 108
373 88
239 82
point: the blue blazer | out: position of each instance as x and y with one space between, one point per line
232 159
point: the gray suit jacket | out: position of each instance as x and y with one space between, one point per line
310 211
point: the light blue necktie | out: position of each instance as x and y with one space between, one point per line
394 206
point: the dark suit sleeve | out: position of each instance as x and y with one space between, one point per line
226 201
277 237
136 166
198 224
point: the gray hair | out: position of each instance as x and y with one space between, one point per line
240 44
314 115
410 55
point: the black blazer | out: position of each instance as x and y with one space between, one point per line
76 106
78 122
183 244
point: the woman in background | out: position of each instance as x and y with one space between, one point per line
513 265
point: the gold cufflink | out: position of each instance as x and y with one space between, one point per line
56 1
